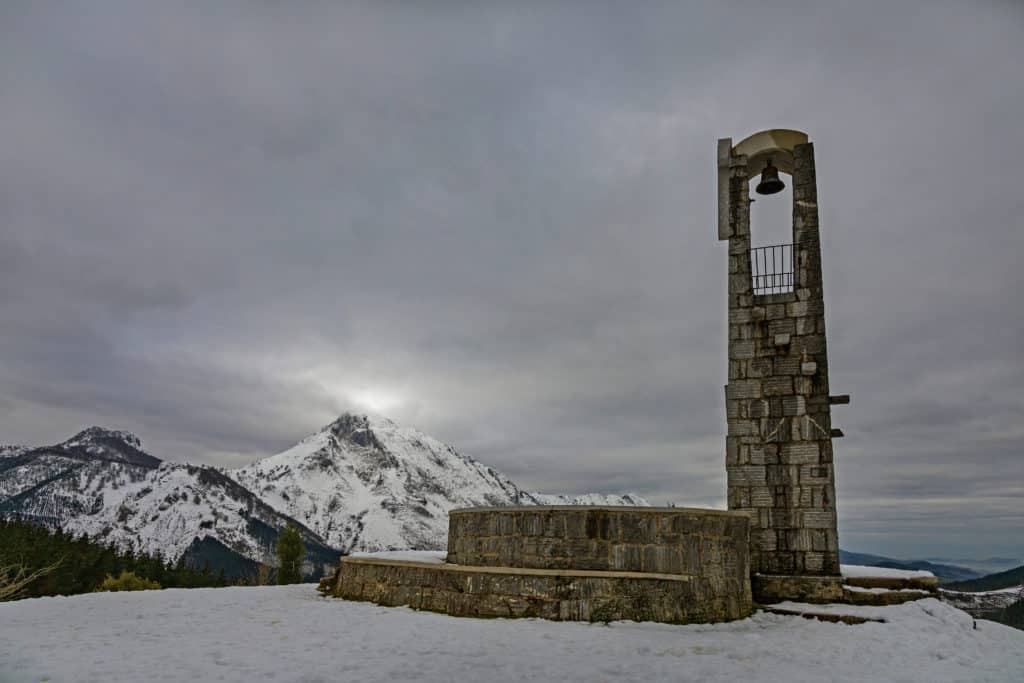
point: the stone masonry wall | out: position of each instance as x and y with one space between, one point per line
703 543
779 440
542 593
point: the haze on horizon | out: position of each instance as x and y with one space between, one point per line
222 225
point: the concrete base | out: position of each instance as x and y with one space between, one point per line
558 594
771 588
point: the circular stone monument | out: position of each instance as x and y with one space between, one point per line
584 563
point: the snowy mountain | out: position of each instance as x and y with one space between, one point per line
100 483
360 483
364 483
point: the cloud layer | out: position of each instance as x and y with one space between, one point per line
221 226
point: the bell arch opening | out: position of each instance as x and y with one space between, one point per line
771 238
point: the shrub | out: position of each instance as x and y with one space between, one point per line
127 581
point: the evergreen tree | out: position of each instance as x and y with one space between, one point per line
290 550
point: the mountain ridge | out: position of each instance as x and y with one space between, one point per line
386 487
359 483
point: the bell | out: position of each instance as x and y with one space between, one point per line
770 183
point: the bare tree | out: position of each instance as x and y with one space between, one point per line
14 578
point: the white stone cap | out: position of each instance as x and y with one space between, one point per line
776 144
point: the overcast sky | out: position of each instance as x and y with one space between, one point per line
223 224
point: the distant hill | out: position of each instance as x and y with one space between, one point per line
992 582
982 565
944 572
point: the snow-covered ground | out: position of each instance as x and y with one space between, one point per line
291 634
431 556
861 571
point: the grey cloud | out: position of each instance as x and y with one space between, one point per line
220 226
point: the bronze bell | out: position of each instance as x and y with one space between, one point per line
770 183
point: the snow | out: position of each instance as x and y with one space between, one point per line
598 499
431 556
289 633
858 571
879 591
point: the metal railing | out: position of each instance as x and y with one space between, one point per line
772 269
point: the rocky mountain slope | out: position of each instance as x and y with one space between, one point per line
360 483
983 603
364 483
100 483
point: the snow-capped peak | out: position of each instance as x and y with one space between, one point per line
365 483
109 444
361 483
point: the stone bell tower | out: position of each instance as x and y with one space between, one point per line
779 458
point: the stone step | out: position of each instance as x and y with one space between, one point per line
851 619
923 583
853 595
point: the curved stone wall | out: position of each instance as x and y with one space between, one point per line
572 562
563 595
678 541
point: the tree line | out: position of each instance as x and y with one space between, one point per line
36 561
79 565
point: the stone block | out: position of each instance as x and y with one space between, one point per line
758 408
761 496
799 453
731 450
637 529
626 558
814 474
750 475
740 350
794 405
776 386
811 343
740 283
742 428
783 326
738 496
764 454
759 367
814 519
770 589
787 365
739 315
814 562
806 326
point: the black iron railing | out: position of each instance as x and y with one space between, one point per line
772 269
